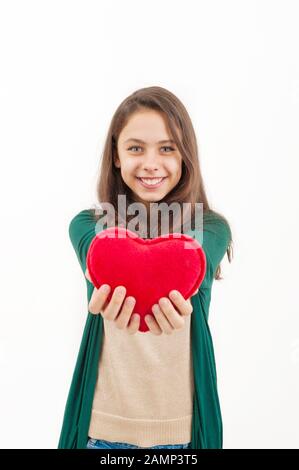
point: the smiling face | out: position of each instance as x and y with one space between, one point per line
150 163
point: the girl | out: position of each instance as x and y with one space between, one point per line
159 389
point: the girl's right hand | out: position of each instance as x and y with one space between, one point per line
116 309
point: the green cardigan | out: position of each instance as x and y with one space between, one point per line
206 418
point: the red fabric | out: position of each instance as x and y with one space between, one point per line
148 268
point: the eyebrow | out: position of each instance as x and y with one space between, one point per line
142 142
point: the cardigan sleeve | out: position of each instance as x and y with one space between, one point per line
82 230
216 238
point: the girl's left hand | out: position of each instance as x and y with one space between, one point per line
168 317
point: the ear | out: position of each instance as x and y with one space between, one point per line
117 162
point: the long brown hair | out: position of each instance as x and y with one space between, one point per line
190 188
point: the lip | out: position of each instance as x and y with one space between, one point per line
151 186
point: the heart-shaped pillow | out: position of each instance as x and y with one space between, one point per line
148 268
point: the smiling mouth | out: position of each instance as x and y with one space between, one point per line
151 183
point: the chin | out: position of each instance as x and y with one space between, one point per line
151 197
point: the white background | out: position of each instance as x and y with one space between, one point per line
65 67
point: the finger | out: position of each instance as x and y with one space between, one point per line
126 311
98 299
174 318
184 306
114 306
153 325
134 323
162 320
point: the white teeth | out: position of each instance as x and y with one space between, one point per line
152 181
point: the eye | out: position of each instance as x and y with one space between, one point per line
165 147
171 148
134 147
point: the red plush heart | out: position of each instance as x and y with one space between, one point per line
148 268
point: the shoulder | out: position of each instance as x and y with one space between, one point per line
82 219
216 228
216 238
84 216
82 223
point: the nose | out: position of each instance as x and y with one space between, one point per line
150 162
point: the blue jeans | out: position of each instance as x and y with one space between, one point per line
102 444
